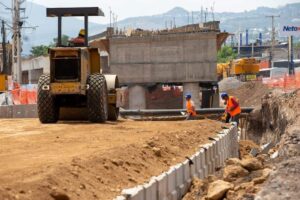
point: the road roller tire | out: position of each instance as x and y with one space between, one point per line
113 113
48 111
97 98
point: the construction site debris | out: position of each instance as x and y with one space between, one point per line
232 172
218 189
251 164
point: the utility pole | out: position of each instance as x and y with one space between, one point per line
273 36
17 25
4 54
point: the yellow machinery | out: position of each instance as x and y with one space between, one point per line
223 70
245 68
3 83
75 80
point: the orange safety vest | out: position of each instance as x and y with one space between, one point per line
189 108
236 111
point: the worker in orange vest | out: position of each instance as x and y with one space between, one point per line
233 108
190 107
79 40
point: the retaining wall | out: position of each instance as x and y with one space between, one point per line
18 111
174 184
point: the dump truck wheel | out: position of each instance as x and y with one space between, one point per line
47 109
113 113
97 102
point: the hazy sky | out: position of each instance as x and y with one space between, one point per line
131 8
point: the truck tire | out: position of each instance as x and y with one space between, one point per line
97 102
113 113
48 111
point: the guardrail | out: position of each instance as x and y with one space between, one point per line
174 184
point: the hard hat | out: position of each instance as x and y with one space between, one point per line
223 95
82 32
188 95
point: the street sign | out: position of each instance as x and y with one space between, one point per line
289 29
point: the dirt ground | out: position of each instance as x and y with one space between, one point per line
250 94
91 161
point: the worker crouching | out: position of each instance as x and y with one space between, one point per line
190 107
233 108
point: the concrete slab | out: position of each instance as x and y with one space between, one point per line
6 111
24 111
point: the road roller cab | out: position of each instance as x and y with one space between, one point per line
75 80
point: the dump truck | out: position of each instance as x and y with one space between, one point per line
75 79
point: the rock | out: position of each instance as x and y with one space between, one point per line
232 172
231 194
262 157
82 186
259 180
251 164
218 189
59 196
157 151
117 162
246 185
211 178
233 161
265 174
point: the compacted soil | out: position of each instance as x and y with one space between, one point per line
78 160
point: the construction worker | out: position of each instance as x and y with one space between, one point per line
190 107
80 39
233 108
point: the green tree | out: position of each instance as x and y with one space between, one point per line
226 54
64 40
41 50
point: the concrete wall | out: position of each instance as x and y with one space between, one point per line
18 111
185 57
34 68
41 62
174 184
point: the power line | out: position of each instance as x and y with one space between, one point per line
4 5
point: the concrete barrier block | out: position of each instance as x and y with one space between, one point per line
197 164
193 171
6 112
162 186
222 149
25 111
187 175
213 156
151 190
120 198
136 193
203 171
209 158
180 183
172 189
219 153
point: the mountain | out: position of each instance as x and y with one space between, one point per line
254 20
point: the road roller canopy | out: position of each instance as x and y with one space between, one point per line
73 12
